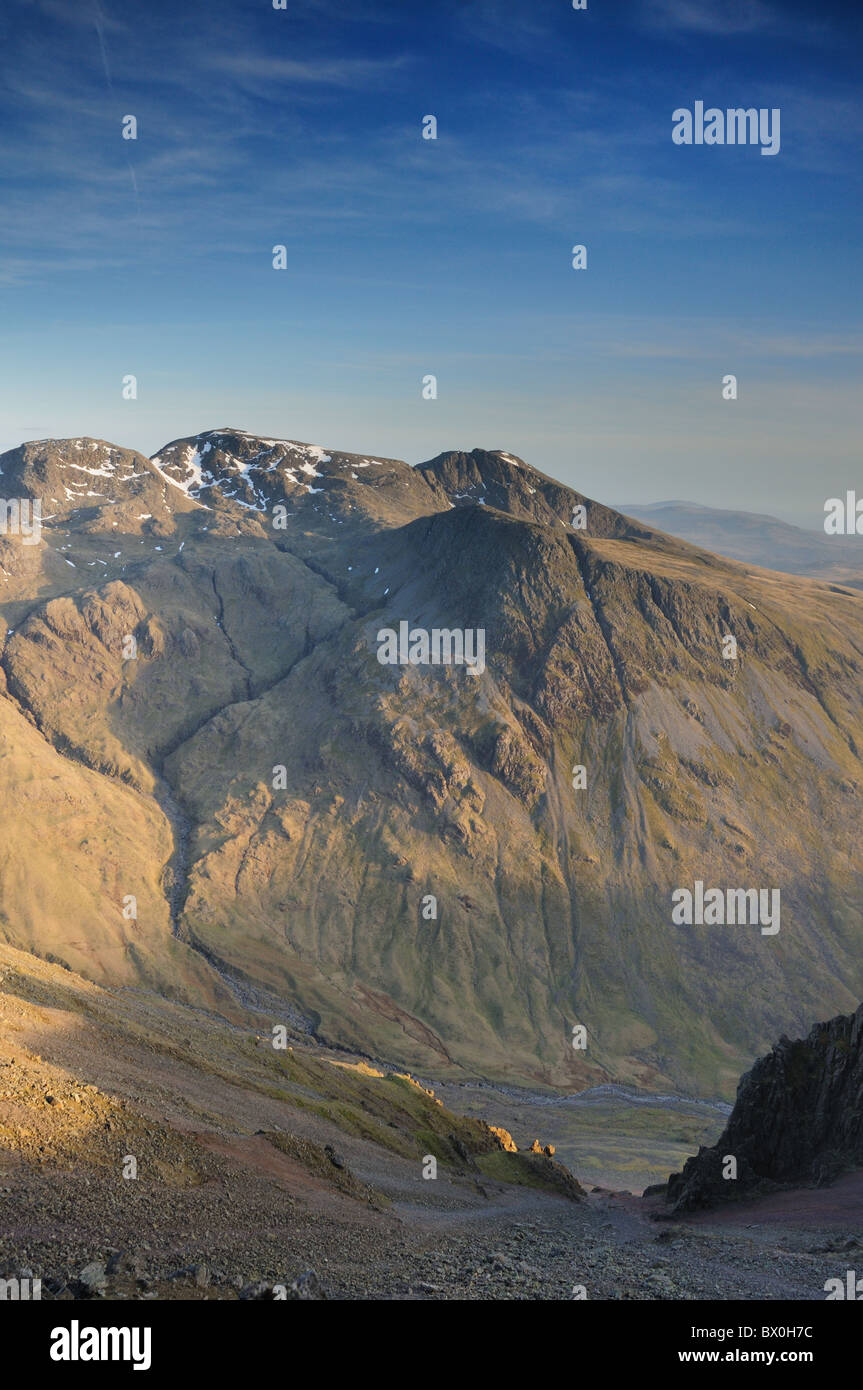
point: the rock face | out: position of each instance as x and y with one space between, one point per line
219 789
798 1120
507 1143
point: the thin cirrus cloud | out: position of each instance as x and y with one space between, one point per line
731 18
709 338
246 68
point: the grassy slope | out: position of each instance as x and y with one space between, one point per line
128 1071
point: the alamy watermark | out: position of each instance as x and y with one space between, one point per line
843 516
21 516
734 126
22 1289
77 1343
718 907
851 1288
442 646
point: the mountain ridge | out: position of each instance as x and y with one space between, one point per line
256 651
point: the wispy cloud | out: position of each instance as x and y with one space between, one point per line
710 17
515 28
333 72
81 16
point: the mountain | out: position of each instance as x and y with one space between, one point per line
251 812
797 1121
757 539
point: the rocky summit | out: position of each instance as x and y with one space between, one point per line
214 789
797 1121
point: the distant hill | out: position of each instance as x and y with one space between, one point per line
758 539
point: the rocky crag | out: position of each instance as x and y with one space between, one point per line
797 1121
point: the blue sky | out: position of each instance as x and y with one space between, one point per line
406 257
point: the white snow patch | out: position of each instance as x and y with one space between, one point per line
94 472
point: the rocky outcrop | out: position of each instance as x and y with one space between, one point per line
797 1121
538 1148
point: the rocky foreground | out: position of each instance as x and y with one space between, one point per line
257 1237
147 1152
